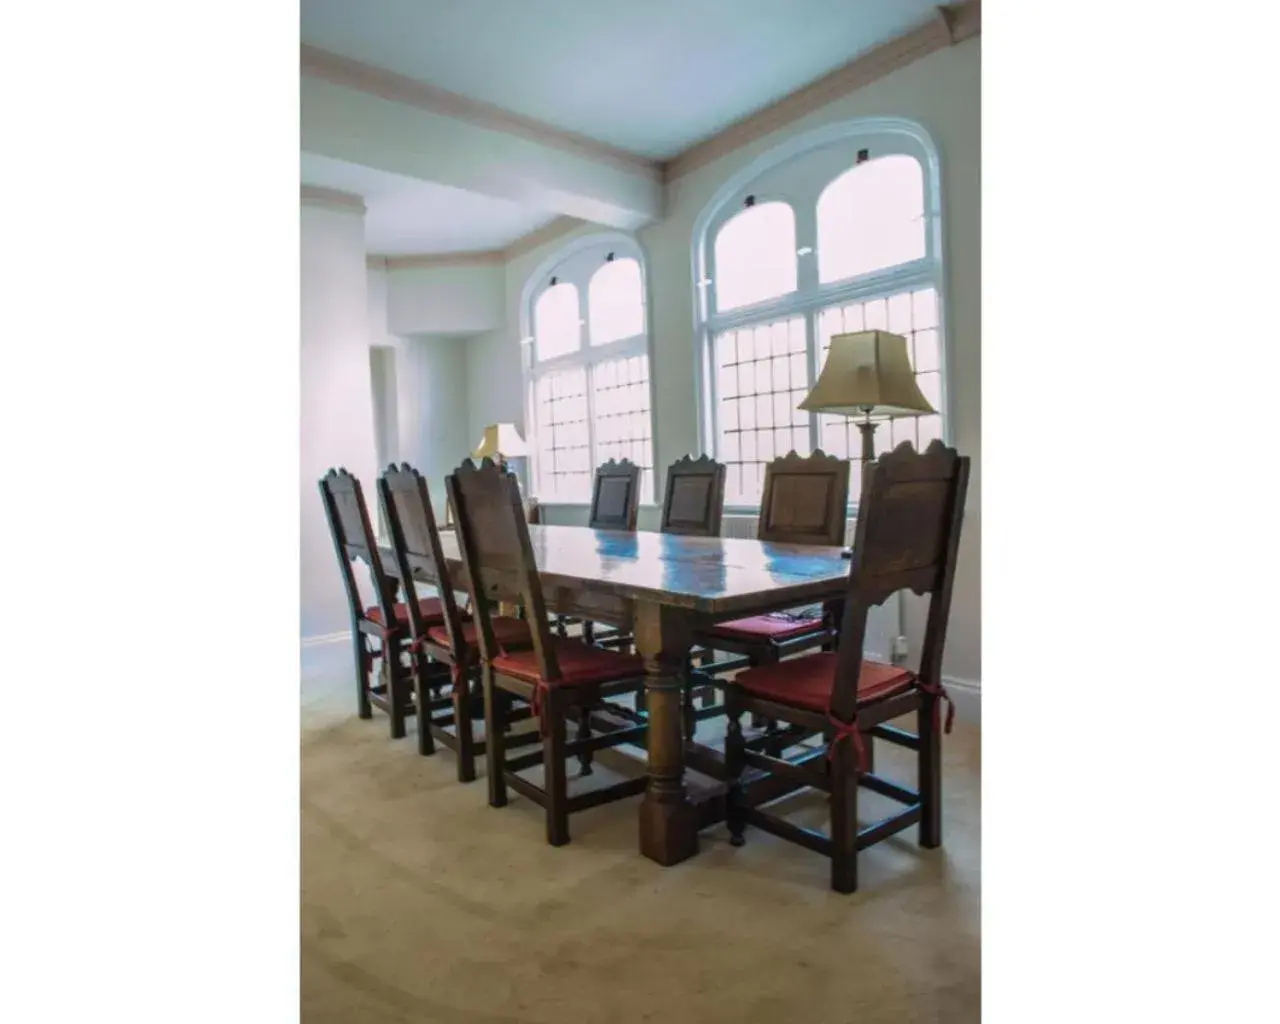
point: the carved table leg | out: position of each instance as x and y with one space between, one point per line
668 821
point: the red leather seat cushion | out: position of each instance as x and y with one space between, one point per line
805 682
766 627
430 607
508 632
579 664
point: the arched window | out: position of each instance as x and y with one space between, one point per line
555 321
870 218
615 302
756 256
855 246
589 399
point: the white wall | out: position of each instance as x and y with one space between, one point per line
439 436
444 300
942 93
494 392
336 395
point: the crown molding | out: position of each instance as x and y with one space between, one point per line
482 258
952 24
317 195
397 88
541 236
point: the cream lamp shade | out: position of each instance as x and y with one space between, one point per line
867 373
500 441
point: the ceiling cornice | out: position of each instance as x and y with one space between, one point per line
541 236
480 258
353 74
317 195
483 258
951 24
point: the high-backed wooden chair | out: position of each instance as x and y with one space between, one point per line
615 505
387 621
615 496
694 502
907 536
558 676
804 502
449 645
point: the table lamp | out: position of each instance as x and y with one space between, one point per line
501 441
867 374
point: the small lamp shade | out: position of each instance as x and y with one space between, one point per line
867 373
500 440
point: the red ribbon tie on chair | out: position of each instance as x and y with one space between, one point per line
847 731
539 690
939 691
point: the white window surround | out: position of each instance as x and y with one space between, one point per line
576 263
796 172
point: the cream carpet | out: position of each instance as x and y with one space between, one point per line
420 903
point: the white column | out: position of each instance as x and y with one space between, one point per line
337 426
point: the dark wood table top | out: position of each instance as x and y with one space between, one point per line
711 575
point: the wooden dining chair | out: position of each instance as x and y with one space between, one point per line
805 501
615 496
443 654
615 505
559 677
693 505
387 621
907 536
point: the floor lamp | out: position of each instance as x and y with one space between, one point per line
867 374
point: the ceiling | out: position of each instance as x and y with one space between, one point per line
408 216
649 76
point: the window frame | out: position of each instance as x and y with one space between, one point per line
576 263
884 137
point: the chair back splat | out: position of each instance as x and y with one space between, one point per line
494 540
805 500
353 540
615 498
906 538
694 502
415 538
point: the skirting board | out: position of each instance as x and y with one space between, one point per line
331 653
967 694
326 654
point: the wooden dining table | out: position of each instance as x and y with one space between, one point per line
667 588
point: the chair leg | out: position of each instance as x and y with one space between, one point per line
364 667
844 818
465 727
930 772
687 712
734 745
584 733
706 694
396 696
562 628
588 631
554 778
496 702
759 721
422 695
869 745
